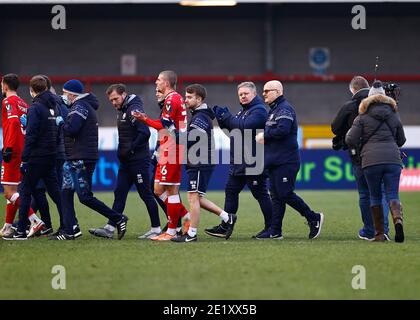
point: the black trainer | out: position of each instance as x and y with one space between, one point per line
259 233
44 232
122 227
77 231
61 236
230 225
268 235
15 235
54 234
217 231
315 226
15 227
184 238
102 233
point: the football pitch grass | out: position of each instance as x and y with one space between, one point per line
240 268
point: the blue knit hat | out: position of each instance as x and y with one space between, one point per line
74 87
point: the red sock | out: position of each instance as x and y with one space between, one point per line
31 212
11 210
17 203
173 215
183 210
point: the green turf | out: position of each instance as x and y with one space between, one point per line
241 268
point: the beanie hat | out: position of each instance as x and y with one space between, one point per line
74 87
376 88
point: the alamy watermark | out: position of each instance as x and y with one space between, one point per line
58 282
359 20
359 280
58 22
198 147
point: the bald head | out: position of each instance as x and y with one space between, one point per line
272 90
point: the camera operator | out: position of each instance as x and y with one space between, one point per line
342 123
380 135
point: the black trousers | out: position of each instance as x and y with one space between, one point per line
136 173
77 177
39 199
282 186
258 187
37 172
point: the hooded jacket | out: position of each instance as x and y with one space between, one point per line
200 138
377 112
252 116
81 129
41 139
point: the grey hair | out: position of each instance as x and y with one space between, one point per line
248 84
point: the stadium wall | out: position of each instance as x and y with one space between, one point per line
225 42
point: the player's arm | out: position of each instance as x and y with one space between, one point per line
142 117
33 129
75 120
10 143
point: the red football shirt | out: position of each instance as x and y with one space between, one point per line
175 110
12 109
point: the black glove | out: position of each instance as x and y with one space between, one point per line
124 156
7 154
24 168
220 112
338 143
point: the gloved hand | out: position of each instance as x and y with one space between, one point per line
124 156
23 120
59 120
168 124
7 154
220 111
24 168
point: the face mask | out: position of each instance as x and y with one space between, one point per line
66 100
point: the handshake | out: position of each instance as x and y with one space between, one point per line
137 114
59 121
220 112
168 124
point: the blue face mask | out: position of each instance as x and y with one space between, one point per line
66 100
